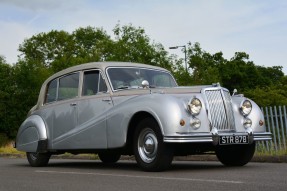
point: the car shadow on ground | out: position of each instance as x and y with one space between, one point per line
132 165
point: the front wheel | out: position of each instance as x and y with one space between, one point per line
235 155
38 159
151 153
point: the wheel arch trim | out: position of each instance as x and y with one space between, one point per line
31 135
134 120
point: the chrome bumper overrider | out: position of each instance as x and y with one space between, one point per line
208 137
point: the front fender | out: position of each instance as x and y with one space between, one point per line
167 110
256 116
32 135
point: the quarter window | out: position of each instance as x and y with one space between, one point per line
51 94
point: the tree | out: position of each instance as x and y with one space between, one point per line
266 85
133 45
28 77
205 66
45 48
7 88
59 49
182 77
239 72
270 75
268 96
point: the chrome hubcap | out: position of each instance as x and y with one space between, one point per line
147 145
34 156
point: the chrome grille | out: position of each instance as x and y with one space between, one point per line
220 109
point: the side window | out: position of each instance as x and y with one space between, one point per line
51 94
68 86
93 83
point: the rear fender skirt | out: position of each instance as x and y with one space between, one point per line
32 135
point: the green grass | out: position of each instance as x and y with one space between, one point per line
271 153
79 156
261 151
9 149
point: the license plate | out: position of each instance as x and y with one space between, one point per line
233 139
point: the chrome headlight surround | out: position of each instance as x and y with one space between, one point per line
195 123
246 107
194 106
247 123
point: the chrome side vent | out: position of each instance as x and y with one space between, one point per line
220 109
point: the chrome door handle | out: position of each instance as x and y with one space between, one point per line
73 104
107 99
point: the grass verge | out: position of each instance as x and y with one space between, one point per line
11 152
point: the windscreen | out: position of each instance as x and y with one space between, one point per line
124 78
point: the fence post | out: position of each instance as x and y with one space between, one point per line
282 127
273 129
285 117
278 129
268 127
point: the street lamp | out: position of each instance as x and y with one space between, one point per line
184 46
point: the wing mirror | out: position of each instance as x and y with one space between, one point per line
234 92
145 84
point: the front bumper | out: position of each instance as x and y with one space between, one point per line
208 137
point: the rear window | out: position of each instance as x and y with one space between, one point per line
66 87
51 94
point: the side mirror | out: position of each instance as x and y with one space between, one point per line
234 92
145 84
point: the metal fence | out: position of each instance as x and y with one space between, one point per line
276 123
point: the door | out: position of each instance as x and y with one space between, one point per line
93 106
65 111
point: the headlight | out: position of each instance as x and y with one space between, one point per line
246 107
247 123
195 123
195 106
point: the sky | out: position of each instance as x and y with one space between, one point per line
257 27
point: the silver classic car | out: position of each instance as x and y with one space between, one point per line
117 108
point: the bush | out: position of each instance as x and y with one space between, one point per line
3 140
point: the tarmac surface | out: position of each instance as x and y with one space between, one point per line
79 174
